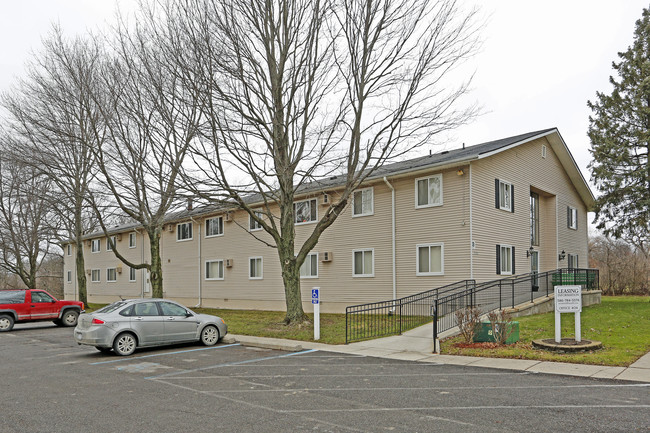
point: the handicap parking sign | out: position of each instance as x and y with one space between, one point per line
314 296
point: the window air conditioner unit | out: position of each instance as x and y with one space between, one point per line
327 256
229 263
118 269
326 199
228 216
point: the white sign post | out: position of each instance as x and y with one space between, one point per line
568 299
315 299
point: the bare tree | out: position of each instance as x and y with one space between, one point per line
294 90
624 267
148 121
58 122
26 228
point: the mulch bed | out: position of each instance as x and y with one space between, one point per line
486 345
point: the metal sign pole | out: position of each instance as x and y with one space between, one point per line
315 299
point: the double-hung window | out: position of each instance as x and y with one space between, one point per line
430 259
363 263
110 243
184 232
95 275
572 218
505 260
504 195
111 275
252 222
428 191
214 270
362 202
132 240
131 274
213 227
69 249
69 276
572 261
305 211
309 268
95 245
255 268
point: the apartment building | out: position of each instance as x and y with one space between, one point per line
504 207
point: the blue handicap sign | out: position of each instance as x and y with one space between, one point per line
314 296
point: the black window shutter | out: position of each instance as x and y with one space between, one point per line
498 259
512 198
496 193
513 260
576 222
568 217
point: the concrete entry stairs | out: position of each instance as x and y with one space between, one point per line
520 295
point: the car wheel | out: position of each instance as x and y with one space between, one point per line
103 349
6 323
69 318
210 335
125 344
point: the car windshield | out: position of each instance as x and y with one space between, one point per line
112 307
12 296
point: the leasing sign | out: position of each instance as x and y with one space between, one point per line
568 299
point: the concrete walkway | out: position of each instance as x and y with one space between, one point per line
417 345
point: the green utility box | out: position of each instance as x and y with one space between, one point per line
484 333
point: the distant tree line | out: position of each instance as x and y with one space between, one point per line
624 268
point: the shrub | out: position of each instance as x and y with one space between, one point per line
468 319
501 323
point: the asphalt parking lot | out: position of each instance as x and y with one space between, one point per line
53 385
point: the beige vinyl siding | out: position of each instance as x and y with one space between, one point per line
103 291
447 224
524 167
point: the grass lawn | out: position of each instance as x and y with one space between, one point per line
269 324
621 323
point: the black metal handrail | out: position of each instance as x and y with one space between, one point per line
509 292
380 319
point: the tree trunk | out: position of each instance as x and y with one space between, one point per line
291 280
81 272
155 272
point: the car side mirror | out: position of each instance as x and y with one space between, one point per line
188 314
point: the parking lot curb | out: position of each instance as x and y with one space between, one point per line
264 343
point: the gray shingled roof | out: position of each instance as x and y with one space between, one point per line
466 153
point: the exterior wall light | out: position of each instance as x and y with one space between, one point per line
561 256
530 251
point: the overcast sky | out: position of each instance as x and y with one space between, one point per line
539 65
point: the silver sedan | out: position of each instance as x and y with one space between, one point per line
124 326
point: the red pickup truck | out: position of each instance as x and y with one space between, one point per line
36 305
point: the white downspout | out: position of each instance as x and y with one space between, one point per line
471 228
200 281
392 192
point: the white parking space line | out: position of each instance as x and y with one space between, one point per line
131 358
262 376
400 409
229 364
427 388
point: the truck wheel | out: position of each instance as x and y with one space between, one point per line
69 318
6 323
